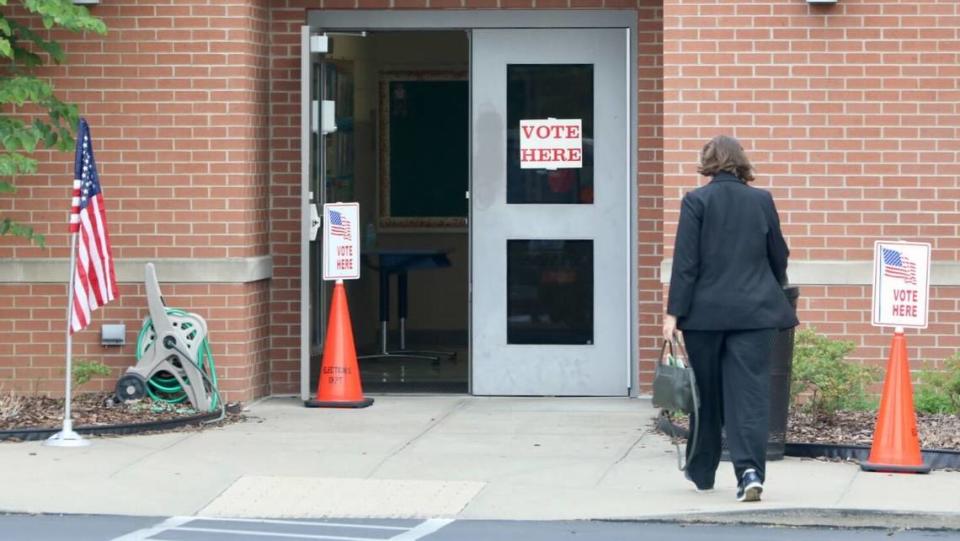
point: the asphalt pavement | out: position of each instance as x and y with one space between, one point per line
119 528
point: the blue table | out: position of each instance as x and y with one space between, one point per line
400 262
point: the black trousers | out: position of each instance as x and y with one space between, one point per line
733 378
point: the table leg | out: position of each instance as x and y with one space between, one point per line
402 315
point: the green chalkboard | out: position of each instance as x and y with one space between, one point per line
425 123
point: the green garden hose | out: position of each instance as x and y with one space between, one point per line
163 387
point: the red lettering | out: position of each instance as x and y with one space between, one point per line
554 131
908 295
576 154
905 310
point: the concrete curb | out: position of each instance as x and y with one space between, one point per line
819 518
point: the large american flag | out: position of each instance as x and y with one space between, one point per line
897 265
339 225
94 280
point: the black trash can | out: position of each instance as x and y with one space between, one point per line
781 365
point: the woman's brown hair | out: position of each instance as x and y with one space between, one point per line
724 153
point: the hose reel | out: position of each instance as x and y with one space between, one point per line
174 361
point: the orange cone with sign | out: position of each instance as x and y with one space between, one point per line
339 383
896 446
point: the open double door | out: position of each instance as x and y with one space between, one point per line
551 182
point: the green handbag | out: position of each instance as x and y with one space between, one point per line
675 389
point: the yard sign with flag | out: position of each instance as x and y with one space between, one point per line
94 279
341 246
901 284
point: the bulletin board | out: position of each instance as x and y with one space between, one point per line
424 149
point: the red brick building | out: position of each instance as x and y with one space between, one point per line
849 111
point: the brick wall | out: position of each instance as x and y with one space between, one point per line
176 96
32 343
851 114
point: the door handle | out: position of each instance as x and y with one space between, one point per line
315 221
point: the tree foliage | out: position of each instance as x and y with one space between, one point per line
32 115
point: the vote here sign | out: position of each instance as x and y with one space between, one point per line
901 284
551 144
341 241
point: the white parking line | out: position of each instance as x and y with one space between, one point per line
141 535
303 523
182 524
275 534
423 529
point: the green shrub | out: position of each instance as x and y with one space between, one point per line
823 382
938 391
84 371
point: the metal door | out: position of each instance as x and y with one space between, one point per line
318 128
550 250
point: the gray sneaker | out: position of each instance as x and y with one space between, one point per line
750 487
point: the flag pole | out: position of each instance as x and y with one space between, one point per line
67 437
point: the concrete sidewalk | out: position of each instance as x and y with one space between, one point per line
436 456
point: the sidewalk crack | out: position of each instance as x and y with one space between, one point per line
460 404
152 453
849 486
624 456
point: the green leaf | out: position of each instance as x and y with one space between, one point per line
12 163
64 13
26 58
5 48
6 187
10 227
25 88
11 142
51 47
5 26
28 141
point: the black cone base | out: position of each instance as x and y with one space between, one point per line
328 404
892 468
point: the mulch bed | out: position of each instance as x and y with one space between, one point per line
937 431
96 409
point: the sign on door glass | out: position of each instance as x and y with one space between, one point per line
550 133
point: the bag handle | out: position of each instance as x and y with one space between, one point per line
676 346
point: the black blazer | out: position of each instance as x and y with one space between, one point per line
729 260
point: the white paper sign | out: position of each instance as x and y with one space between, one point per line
341 241
901 284
551 144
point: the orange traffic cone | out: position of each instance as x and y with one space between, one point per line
339 383
896 446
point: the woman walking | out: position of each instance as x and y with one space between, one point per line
729 265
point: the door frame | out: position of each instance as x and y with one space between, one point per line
384 20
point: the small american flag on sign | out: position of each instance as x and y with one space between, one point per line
339 225
897 265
